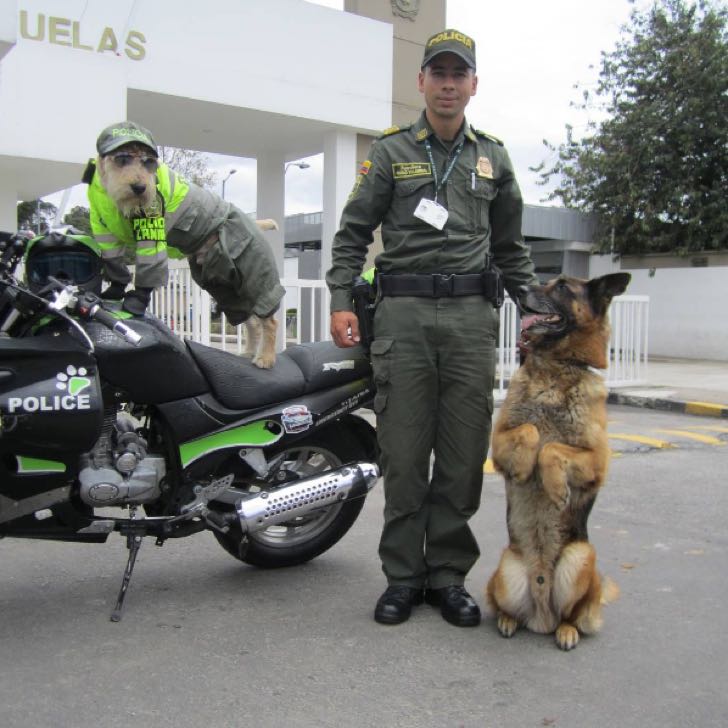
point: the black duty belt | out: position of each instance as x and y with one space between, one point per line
440 285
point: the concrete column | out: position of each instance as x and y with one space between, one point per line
339 175
8 210
271 203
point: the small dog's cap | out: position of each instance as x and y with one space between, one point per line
450 41
125 132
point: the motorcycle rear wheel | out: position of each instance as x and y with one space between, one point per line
304 538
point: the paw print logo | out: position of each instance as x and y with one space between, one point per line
73 380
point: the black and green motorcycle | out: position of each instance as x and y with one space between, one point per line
99 413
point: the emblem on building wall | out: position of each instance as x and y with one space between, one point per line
406 8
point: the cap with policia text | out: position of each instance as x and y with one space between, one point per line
450 41
125 132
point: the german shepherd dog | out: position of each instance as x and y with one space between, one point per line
550 443
133 189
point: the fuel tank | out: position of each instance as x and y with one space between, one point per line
159 369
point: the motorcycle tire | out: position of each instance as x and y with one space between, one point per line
302 539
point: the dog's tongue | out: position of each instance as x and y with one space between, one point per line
530 320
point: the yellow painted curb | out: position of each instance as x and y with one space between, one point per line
705 408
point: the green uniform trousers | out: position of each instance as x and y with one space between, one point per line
434 366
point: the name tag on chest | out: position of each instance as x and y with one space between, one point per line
431 212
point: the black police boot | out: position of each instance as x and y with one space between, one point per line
395 605
456 605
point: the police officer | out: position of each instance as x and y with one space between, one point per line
450 211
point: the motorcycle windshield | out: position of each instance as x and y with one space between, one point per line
77 267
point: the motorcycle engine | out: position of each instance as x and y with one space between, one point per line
118 470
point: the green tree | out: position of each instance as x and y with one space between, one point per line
36 215
190 164
655 170
78 216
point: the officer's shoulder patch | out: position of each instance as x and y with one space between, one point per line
394 130
485 135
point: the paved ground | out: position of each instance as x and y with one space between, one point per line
207 641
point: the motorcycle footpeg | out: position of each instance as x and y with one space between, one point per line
203 495
296 499
219 521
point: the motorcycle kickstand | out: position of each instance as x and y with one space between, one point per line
133 543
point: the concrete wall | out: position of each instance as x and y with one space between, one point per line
215 76
688 306
8 35
410 33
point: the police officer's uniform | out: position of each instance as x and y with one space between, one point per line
435 331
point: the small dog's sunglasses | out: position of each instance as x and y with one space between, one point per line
124 159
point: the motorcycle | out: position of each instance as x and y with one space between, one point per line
99 413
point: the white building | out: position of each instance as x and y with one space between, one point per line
275 80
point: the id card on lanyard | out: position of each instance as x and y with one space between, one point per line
431 211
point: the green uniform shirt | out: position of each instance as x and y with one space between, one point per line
481 195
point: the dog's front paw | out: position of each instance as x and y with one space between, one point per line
515 452
553 476
567 636
558 494
507 625
264 361
521 469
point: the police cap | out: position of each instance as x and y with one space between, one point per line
125 132
450 41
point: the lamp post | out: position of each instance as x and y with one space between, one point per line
230 174
300 165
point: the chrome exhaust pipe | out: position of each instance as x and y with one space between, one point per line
303 496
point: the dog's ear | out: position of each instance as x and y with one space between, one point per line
88 173
603 290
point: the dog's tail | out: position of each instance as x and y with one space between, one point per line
610 591
267 224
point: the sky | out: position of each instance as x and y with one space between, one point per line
530 55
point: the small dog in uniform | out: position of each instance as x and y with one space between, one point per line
139 208
550 443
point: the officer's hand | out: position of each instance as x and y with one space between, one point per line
344 328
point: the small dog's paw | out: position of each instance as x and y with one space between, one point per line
264 361
507 625
567 636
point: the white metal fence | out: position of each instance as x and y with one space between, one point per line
189 312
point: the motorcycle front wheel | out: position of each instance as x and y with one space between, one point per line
302 539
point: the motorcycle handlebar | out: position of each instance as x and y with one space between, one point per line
89 307
118 327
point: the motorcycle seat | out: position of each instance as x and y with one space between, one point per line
238 384
324 365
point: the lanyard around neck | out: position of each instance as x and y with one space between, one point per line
453 158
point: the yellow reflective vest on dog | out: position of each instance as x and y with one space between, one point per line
142 240
236 265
